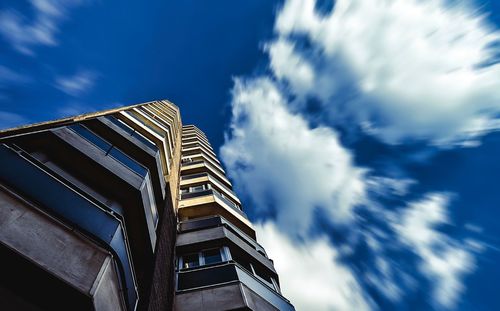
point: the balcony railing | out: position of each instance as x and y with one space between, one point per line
192 163
227 273
215 221
215 193
216 171
192 176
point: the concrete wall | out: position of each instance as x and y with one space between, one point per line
226 297
60 251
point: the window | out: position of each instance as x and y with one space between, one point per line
212 256
109 149
132 132
197 188
204 257
191 261
186 160
91 137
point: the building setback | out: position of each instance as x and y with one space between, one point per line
125 209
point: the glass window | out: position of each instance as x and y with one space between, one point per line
198 188
132 132
109 149
121 124
129 162
212 256
90 136
190 261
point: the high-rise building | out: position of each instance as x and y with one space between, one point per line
125 209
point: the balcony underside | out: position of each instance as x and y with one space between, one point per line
211 206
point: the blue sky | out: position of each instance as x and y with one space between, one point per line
362 136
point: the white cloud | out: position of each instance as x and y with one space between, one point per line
281 162
24 33
401 68
311 274
444 260
77 84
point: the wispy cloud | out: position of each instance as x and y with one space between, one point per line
25 33
399 69
444 261
77 84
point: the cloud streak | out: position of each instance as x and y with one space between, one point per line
77 84
25 33
444 261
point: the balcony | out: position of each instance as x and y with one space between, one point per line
229 273
210 203
57 198
193 150
188 136
192 176
203 155
192 163
190 141
214 192
205 178
217 221
205 167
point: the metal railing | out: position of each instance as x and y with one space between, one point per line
192 163
192 176
215 221
231 204
228 273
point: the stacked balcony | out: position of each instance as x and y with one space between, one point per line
220 265
84 208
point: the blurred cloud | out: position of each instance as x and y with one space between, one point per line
400 69
24 33
444 261
311 273
77 84
280 161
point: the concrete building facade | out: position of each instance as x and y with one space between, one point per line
125 209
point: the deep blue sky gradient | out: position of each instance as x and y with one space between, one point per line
186 51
